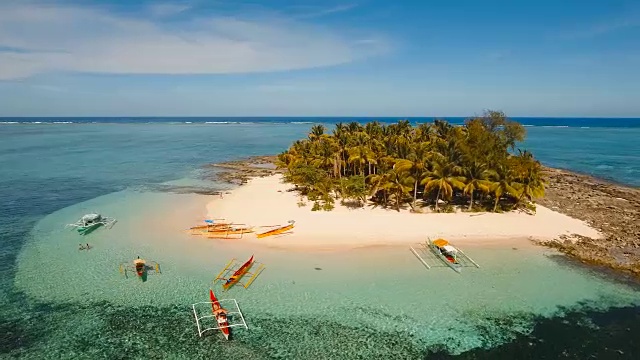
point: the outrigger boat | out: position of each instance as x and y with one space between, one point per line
141 267
231 274
220 230
225 314
281 229
224 232
211 225
220 314
90 222
448 253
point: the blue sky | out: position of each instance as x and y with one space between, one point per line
319 58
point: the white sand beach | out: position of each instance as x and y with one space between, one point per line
266 201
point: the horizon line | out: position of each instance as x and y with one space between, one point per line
305 116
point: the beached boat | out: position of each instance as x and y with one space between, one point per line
219 313
221 230
228 230
238 274
89 222
446 252
211 225
279 230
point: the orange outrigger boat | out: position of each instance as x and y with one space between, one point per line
277 231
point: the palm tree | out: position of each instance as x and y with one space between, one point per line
341 137
502 184
476 175
416 165
317 131
529 182
324 155
443 177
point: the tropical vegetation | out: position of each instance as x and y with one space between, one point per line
475 166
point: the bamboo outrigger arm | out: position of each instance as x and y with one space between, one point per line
254 275
470 259
218 277
419 257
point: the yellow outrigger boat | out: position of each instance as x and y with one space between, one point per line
277 231
223 233
220 230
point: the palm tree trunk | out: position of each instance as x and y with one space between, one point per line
415 193
344 161
518 200
495 205
471 202
438 197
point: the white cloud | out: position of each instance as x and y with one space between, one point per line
318 12
81 39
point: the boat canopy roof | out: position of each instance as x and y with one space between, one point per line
450 249
440 242
91 217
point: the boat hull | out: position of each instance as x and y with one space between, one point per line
84 230
275 231
225 330
448 260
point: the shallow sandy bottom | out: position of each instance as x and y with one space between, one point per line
383 287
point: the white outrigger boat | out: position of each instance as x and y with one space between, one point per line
219 314
90 222
445 251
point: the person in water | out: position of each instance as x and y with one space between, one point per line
88 247
80 247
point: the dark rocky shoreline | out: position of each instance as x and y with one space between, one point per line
613 209
238 172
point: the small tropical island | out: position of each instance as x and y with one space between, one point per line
367 184
435 165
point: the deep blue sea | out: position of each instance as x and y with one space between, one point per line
47 164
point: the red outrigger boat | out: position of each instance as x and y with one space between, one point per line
221 317
238 274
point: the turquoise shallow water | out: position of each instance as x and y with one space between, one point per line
58 302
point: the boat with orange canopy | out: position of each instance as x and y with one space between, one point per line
446 252
449 254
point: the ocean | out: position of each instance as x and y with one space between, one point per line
58 303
